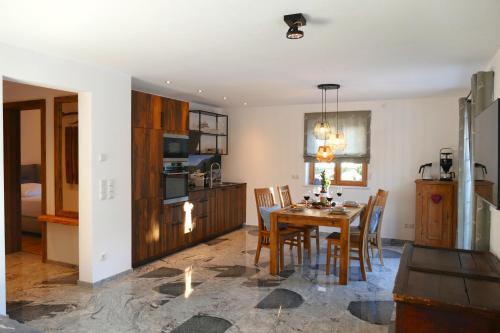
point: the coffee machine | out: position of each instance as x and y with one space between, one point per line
446 163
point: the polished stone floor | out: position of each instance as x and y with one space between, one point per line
214 287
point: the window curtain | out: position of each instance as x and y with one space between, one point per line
356 128
472 234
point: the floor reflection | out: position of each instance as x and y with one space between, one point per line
216 288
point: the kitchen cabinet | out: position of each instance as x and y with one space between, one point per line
149 123
175 117
436 213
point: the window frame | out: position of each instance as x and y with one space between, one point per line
336 181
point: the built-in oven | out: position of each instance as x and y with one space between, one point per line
175 182
175 147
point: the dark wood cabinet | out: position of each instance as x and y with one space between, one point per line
149 123
436 218
176 117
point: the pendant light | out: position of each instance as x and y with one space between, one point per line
322 128
325 152
337 139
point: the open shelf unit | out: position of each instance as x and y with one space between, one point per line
208 133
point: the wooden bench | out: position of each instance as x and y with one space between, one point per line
447 290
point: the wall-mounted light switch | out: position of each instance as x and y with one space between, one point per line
110 194
102 189
102 157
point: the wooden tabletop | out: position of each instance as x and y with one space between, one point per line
321 217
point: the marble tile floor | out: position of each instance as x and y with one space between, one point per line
215 288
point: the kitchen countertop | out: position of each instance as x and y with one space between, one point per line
224 184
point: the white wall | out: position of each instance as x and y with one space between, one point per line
495 214
266 149
104 105
30 137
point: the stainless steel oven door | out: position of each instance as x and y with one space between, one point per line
175 187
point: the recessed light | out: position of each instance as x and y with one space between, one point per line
200 91
224 98
245 103
168 82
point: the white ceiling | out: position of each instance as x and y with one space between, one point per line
376 49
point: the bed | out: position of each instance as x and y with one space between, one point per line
31 198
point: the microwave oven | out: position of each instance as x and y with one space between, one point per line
175 147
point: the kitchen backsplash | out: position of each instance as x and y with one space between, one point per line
202 162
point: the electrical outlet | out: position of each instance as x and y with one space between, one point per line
295 176
409 226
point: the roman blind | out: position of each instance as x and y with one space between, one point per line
356 128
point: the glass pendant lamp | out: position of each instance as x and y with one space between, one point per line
324 154
322 127
337 139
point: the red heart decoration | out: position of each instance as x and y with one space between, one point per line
436 198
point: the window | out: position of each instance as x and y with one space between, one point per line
341 173
350 165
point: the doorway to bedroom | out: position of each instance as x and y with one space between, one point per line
41 191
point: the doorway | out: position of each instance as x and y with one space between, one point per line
41 224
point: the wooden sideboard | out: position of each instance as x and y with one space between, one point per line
437 209
436 213
447 290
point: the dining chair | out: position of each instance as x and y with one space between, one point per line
264 198
375 226
286 201
357 243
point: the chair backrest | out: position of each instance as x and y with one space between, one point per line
380 201
285 196
364 224
264 197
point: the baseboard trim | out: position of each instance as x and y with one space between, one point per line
65 264
103 281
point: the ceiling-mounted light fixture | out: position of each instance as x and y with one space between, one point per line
295 21
322 129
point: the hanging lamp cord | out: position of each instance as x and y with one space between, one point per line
337 129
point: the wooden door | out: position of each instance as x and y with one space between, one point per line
436 220
12 186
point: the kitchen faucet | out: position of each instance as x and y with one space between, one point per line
212 173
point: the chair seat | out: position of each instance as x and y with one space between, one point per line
355 229
335 236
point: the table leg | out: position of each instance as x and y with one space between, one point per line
273 245
344 252
307 242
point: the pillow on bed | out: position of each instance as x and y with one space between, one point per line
31 190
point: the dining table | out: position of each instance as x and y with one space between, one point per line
310 216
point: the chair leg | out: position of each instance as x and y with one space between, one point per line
335 256
317 240
379 246
368 261
361 253
299 248
328 257
282 255
371 248
257 254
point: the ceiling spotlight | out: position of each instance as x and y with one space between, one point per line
245 103
200 91
295 21
224 98
168 82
